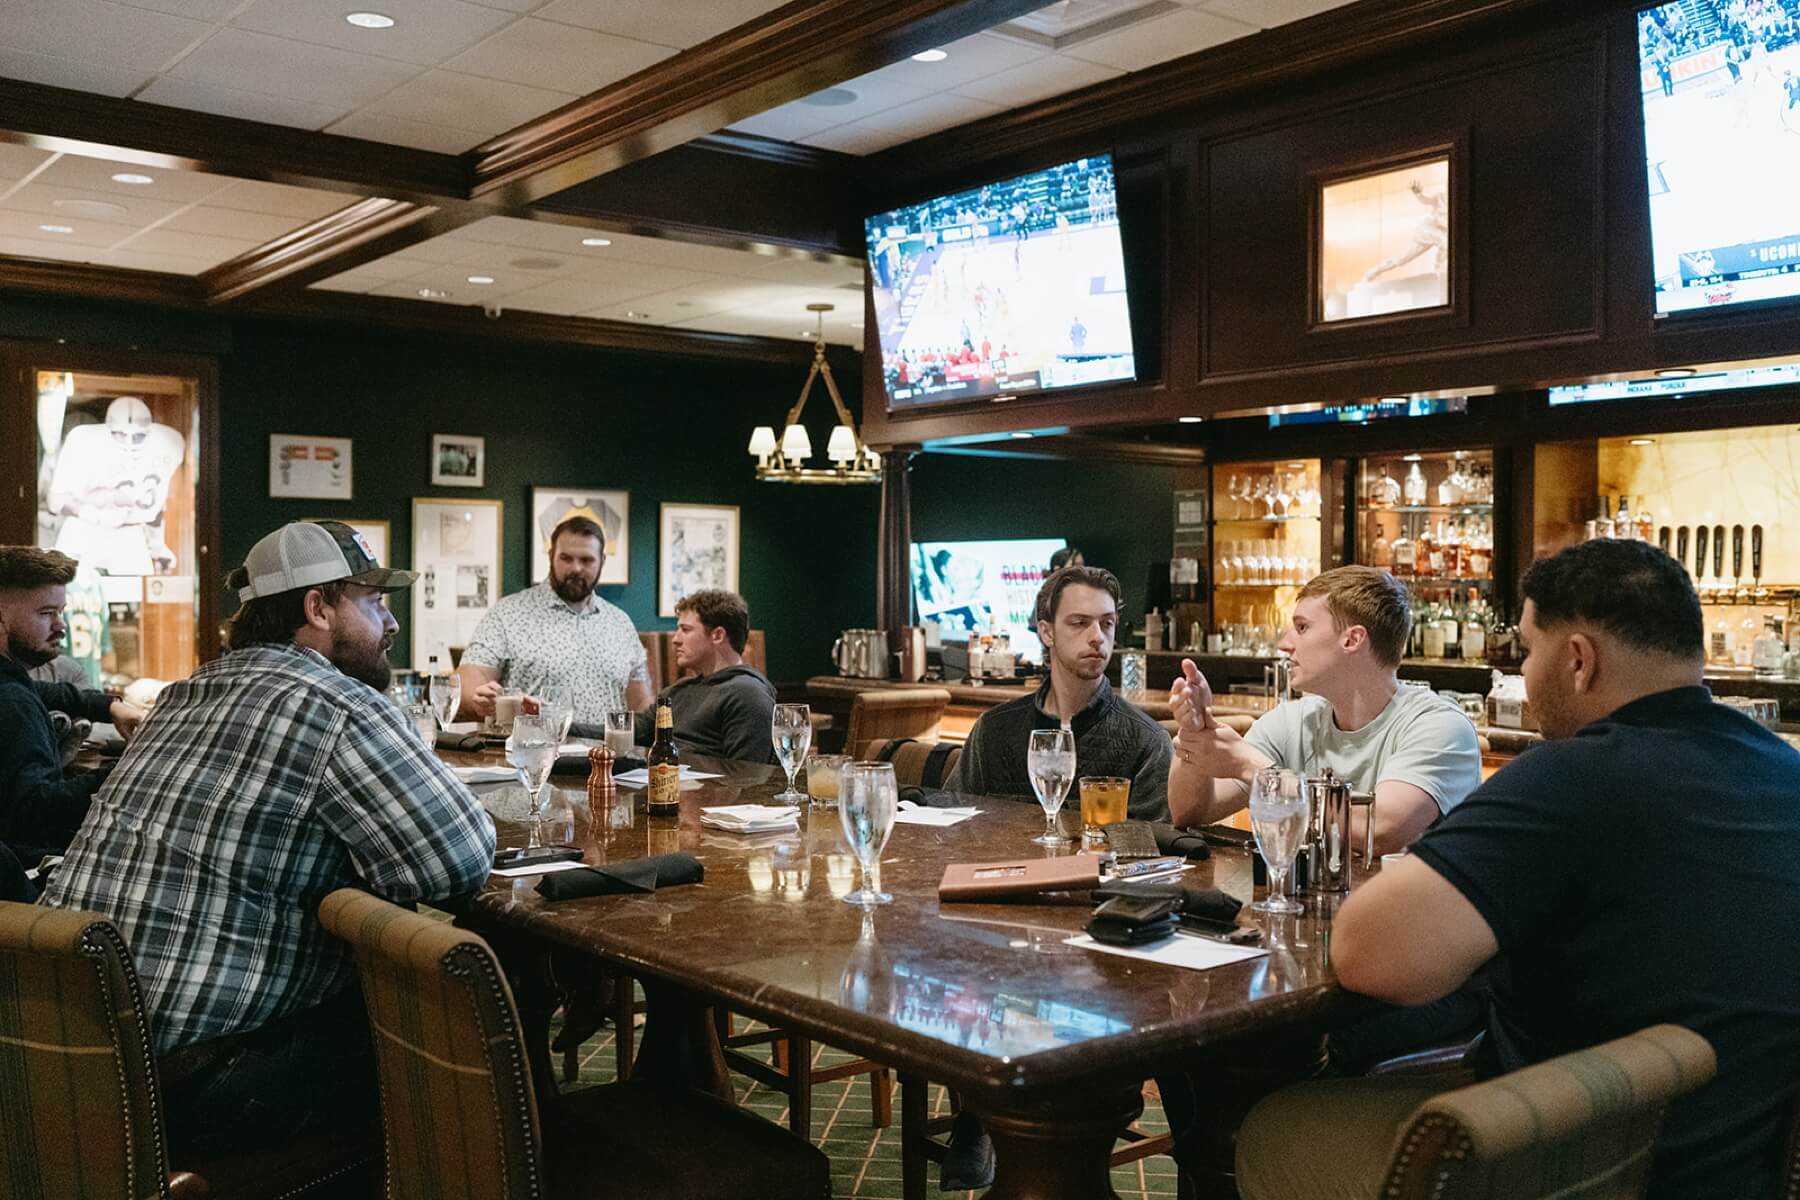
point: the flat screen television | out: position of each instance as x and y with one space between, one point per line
983 587
1008 289
1722 148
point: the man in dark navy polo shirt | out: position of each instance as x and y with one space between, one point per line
1643 866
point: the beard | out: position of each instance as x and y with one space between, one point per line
28 655
367 663
571 588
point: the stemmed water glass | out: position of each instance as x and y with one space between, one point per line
868 797
558 705
531 749
1279 809
446 697
791 729
1050 760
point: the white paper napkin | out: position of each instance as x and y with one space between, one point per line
910 813
750 818
1193 953
539 868
641 776
486 774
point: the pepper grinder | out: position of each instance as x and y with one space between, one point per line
602 788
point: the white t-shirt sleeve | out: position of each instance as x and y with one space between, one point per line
1438 753
1272 735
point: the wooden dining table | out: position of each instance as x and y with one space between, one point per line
1048 1043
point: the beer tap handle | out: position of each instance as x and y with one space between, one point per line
1701 533
1756 543
1662 539
1718 552
1681 547
1737 552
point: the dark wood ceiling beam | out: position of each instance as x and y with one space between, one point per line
53 118
46 277
794 51
363 232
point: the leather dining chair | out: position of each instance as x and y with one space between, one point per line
896 713
73 1026
460 1115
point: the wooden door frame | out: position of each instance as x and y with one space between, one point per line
19 358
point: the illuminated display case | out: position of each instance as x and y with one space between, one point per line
1267 542
1428 518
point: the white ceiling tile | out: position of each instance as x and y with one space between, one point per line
40 196
468 102
395 132
234 102
279 199
16 162
512 6
83 232
61 250
971 58
386 270
231 223
799 271
407 290
721 323
919 117
1038 80
1159 39
574 295
1267 14
192 245
198 10
854 138
454 277
322 76
866 95
435 251
349 281
95 31
790 122
84 75
557 306
178 264
425 32
558 56
665 22
96 175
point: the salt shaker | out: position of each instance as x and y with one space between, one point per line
602 788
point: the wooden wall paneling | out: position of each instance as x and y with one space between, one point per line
18 449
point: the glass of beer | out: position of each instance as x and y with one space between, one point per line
1103 802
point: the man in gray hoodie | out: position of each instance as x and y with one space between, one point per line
722 705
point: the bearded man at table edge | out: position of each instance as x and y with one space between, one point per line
1633 870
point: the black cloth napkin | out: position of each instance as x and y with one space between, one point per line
1207 903
1172 839
613 879
460 741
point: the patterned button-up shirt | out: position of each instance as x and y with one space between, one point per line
259 784
538 642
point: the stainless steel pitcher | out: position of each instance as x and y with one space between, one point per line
1328 840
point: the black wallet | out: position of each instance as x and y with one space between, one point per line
529 856
1134 920
1131 839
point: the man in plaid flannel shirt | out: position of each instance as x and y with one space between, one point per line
265 780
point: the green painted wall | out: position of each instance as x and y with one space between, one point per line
666 428
1121 515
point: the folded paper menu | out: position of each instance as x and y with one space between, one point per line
918 814
750 818
1019 877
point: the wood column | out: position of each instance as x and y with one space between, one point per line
893 550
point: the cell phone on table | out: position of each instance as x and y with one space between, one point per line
530 856
1221 931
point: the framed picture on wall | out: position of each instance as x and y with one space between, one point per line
458 460
375 533
456 551
697 548
611 510
303 467
1388 238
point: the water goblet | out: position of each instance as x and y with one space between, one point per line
531 749
446 697
868 798
1050 760
791 730
1279 809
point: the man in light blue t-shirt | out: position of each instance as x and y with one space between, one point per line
1413 749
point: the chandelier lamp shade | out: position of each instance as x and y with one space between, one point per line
784 461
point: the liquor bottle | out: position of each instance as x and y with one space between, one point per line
1426 557
1405 556
1450 619
1766 656
1720 644
1434 630
1474 631
1414 487
1745 647
1382 553
1624 528
1646 524
664 763
1481 552
1603 524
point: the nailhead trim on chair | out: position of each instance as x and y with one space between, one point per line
91 938
474 964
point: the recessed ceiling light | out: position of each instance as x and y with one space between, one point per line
57 228
370 20
1412 457
481 279
931 56
1675 372
1190 420
432 294
1643 441
638 316
133 178
596 241
1021 436
835 97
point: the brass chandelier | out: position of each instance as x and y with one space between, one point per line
784 461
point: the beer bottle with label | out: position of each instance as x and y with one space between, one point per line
664 764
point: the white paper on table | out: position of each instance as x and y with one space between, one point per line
641 776
575 748
539 868
918 814
486 774
462 727
1193 953
749 818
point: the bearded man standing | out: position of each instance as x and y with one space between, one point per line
265 780
558 636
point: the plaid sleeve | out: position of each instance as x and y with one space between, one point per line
413 831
